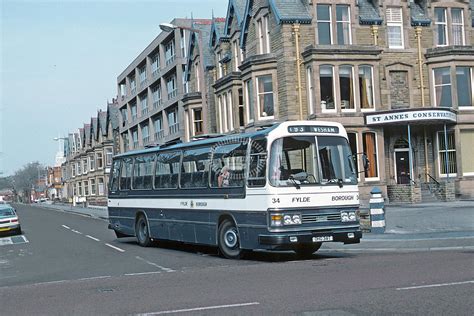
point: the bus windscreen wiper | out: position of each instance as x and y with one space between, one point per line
294 181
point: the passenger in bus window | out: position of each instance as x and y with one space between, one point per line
224 177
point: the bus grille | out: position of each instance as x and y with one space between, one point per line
321 218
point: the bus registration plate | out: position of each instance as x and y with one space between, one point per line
322 238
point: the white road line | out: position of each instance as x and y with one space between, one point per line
75 231
94 278
143 273
433 285
93 238
116 248
67 227
155 265
200 309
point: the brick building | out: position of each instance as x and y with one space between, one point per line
89 152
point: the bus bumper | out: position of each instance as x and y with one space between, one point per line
288 240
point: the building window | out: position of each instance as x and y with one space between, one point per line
133 85
343 23
467 152
79 188
171 87
465 86
156 95
133 110
230 110
241 109
73 170
124 116
145 134
326 87
108 156
394 18
370 150
92 185
169 52
126 145
310 89
323 15
237 51
86 188
84 166
265 96
457 27
220 67
197 117
346 87
142 75
198 76
182 42
155 65
144 105
447 152
353 144
99 160
457 18
366 87
158 124
91 163
442 86
173 121
263 35
249 100
100 186
135 138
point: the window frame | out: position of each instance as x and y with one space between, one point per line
391 23
258 94
376 152
441 152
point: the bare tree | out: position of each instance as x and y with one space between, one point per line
26 178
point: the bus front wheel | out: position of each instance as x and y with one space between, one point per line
229 241
142 232
306 251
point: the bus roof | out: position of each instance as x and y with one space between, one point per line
256 134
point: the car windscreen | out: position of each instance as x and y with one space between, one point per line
6 212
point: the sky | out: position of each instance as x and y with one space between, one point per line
60 61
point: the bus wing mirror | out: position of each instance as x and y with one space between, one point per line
365 162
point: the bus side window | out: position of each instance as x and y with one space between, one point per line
114 179
143 173
195 171
258 163
167 170
228 165
126 174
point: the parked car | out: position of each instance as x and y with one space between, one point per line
9 221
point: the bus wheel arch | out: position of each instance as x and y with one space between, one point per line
142 229
228 237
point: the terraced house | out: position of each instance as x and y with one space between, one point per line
89 155
397 74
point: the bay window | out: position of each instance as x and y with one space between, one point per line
346 87
442 86
326 87
465 87
265 96
366 87
369 141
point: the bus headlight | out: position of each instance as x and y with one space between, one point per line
278 220
348 216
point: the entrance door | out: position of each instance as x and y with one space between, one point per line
402 166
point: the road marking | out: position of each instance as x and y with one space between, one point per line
433 285
13 240
200 309
93 238
67 227
94 278
75 231
116 248
416 239
143 273
155 265
397 249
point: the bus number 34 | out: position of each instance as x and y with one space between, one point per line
275 200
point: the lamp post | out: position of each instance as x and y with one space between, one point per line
169 27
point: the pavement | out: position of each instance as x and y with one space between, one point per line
409 227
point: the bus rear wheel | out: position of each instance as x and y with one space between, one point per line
306 250
142 232
229 240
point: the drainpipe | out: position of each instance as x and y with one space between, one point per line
418 30
374 29
296 32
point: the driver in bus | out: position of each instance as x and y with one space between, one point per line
224 177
